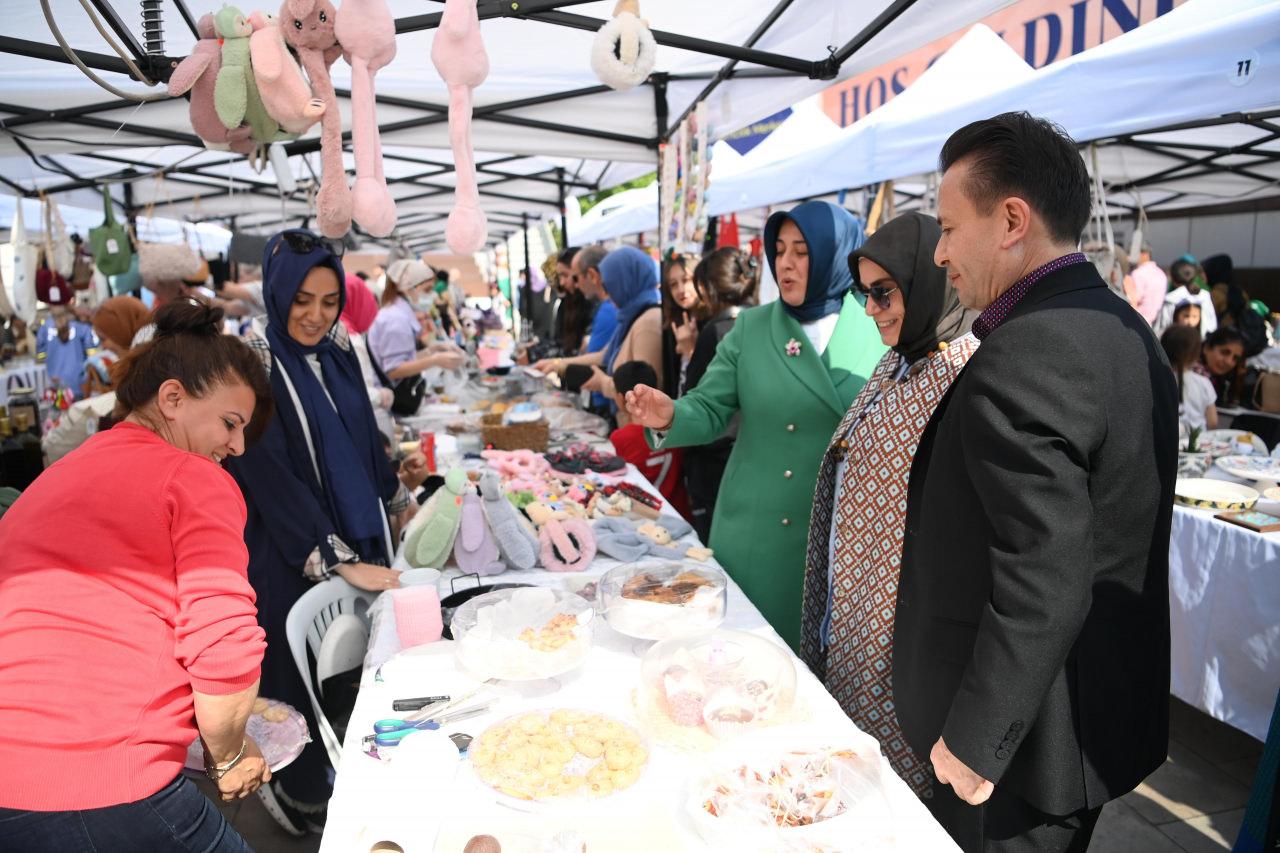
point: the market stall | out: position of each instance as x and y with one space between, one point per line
654 643
1224 604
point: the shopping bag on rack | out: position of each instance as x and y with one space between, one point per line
109 243
19 262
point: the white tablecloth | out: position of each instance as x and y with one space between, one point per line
371 803
1224 610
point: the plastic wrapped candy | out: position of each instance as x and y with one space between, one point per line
717 685
658 601
522 634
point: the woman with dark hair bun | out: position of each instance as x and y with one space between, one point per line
725 281
129 621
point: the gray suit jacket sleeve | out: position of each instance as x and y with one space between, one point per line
1028 438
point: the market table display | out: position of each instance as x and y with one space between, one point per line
665 794
1224 603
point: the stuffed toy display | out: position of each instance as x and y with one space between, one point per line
567 543
285 93
624 50
457 51
308 27
198 74
367 32
235 94
431 533
522 470
629 541
517 542
475 550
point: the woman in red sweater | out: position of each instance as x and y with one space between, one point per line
129 622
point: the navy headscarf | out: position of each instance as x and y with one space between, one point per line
831 233
631 279
348 448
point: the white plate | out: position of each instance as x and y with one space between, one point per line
1250 467
1214 494
1228 438
1272 494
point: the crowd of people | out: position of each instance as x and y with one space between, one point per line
952 508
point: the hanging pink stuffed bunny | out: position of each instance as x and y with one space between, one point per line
198 74
458 55
308 27
367 33
284 90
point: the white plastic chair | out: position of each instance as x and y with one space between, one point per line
306 626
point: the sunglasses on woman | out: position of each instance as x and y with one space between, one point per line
304 243
878 292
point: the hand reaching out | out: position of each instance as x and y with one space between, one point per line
650 408
372 578
969 786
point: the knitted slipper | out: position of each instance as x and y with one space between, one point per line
475 549
567 546
429 542
517 543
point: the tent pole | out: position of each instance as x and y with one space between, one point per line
564 219
528 273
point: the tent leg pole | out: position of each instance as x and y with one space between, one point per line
564 219
528 273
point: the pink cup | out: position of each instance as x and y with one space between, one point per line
418 619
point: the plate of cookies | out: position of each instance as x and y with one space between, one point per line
278 728
558 755
658 601
522 634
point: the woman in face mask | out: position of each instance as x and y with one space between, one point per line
394 336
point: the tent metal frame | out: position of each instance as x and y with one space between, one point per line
548 12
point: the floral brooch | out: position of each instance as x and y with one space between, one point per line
793 348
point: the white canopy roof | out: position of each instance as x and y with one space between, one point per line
540 109
1147 96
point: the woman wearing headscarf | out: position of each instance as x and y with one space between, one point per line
630 279
118 320
792 368
859 507
320 491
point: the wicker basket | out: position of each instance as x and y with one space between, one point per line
531 436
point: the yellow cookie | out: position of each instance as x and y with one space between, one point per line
624 778
600 787
590 747
618 756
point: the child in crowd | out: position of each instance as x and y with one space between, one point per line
1187 314
1220 360
1197 408
65 344
664 468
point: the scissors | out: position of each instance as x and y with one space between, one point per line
391 732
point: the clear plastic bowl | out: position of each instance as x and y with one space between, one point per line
523 634
662 600
724 683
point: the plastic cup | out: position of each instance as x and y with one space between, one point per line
418 618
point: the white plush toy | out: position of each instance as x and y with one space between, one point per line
624 50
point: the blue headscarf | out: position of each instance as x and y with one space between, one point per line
631 279
831 233
348 449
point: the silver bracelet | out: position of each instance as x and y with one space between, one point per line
219 770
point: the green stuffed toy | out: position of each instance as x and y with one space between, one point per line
235 94
433 530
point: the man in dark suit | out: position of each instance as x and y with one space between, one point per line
1031 649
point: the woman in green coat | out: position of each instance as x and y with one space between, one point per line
792 368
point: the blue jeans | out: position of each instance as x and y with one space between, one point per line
178 817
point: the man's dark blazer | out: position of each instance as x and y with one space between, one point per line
1032 627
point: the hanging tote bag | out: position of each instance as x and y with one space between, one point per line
60 252
19 262
128 281
164 264
109 242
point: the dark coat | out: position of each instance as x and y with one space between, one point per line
1032 628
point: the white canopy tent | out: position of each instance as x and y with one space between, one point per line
636 211
544 126
1181 110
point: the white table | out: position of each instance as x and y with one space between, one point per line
1224 617
379 800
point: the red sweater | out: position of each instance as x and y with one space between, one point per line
663 468
122 590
